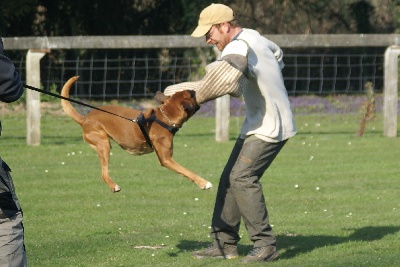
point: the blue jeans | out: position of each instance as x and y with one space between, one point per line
240 194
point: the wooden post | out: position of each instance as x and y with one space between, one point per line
390 98
32 97
222 113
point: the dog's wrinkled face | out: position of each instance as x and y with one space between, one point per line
189 103
185 100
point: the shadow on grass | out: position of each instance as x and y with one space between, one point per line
44 139
57 140
295 245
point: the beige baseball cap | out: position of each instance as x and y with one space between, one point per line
211 15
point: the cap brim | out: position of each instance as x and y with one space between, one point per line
201 30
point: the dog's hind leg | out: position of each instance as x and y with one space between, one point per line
101 143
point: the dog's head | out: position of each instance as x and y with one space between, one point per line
182 104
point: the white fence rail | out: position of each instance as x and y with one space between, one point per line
182 41
37 46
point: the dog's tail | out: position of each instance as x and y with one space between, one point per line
66 105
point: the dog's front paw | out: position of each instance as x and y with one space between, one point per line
116 189
208 186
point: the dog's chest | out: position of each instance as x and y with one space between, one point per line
139 150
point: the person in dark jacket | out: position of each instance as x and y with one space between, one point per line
12 248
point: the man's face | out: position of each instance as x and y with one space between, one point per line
217 36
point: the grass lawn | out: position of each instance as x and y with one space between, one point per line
333 198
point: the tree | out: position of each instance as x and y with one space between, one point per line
16 17
162 17
315 16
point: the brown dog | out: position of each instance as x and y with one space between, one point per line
98 126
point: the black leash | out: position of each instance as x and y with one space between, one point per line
140 120
76 101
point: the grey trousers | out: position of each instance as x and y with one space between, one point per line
12 250
240 194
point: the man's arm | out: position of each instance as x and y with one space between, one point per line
221 79
11 87
225 76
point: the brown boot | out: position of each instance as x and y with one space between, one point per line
213 251
261 254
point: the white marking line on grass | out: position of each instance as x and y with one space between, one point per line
149 247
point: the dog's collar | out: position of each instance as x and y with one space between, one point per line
166 117
171 128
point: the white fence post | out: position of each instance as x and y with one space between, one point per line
390 98
33 97
222 113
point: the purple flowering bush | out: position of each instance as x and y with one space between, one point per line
303 105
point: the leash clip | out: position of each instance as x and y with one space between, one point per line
173 129
139 118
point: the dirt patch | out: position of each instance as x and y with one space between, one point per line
14 108
20 108
51 108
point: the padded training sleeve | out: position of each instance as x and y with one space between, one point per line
221 78
225 76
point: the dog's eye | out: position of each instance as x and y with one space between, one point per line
192 93
187 105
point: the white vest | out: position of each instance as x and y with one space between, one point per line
268 112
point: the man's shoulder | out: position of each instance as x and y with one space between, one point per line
237 47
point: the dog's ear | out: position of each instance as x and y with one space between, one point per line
160 97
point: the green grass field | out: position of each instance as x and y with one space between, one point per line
333 198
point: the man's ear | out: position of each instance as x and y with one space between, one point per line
160 97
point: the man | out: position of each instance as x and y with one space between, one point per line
250 65
12 249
